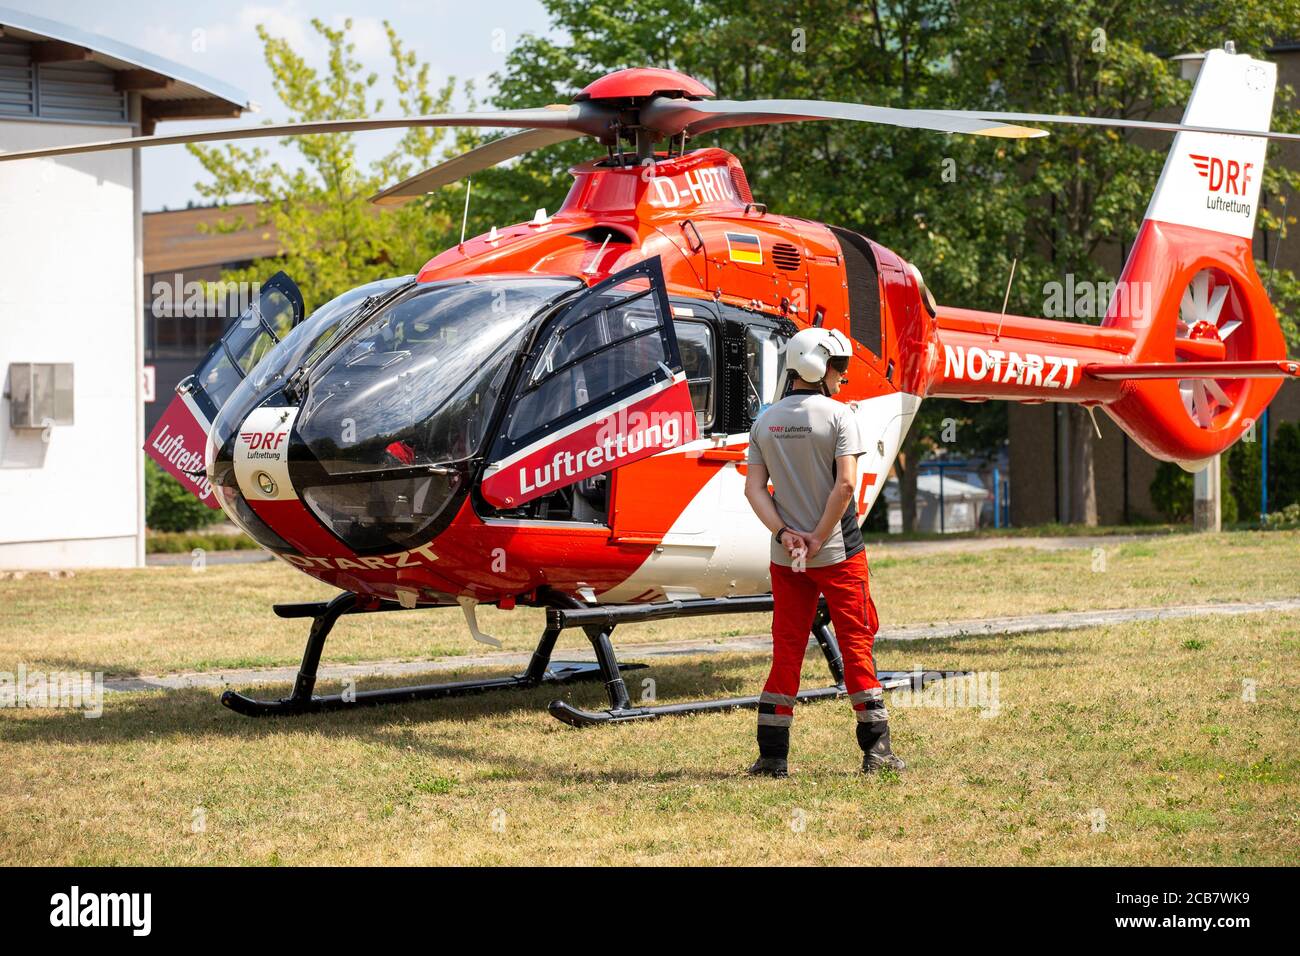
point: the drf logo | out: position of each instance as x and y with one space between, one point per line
268 440
75 908
1228 176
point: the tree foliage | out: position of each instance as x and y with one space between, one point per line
961 207
332 238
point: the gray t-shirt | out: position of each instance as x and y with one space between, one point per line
798 440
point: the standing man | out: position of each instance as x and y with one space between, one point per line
808 444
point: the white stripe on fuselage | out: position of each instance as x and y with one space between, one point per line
718 547
582 423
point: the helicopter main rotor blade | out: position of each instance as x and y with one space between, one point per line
467 164
582 118
1119 123
694 117
671 117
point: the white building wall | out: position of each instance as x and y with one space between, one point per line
68 293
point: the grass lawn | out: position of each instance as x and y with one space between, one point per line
156 620
1127 744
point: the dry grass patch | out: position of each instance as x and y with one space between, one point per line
157 620
1143 722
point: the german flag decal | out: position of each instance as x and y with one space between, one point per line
744 247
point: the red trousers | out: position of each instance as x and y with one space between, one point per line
853 614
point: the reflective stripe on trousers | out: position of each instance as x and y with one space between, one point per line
853 616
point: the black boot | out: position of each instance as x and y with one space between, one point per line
769 767
773 744
873 737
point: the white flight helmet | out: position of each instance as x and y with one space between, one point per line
809 350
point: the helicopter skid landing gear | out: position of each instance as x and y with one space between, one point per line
599 623
324 615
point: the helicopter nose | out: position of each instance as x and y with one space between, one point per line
248 468
261 455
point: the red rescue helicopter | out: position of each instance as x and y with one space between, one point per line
556 413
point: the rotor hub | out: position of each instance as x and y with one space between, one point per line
641 83
1204 330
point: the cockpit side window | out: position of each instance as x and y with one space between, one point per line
695 340
251 337
764 361
588 357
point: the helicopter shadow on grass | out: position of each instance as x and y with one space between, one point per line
74 665
197 712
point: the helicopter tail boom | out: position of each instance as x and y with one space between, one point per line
1190 351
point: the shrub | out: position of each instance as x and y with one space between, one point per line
1172 492
169 507
1283 471
1288 517
1284 466
1285 519
1243 465
183 542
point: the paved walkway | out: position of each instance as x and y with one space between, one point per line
1066 542
246 556
758 643
891 549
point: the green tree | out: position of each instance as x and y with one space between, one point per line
1066 204
1244 467
1173 493
1284 466
332 238
884 182
1084 191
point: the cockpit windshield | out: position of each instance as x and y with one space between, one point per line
308 338
416 382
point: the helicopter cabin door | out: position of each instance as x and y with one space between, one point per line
178 442
603 387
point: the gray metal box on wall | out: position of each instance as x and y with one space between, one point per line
40 394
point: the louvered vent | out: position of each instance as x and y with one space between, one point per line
72 90
863 278
785 256
741 183
17 89
79 91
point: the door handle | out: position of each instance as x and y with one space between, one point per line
723 454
